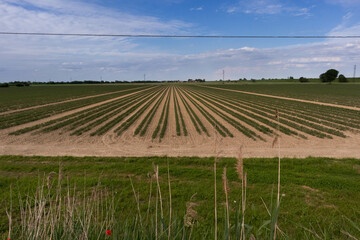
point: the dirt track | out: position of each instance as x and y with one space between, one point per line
60 142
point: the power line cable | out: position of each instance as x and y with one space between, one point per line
178 36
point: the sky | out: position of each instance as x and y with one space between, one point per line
55 58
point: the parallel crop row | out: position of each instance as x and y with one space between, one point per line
73 117
211 119
100 131
26 116
144 124
161 122
180 113
103 117
194 118
306 126
245 111
243 129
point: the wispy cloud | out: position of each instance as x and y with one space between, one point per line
196 9
268 7
344 3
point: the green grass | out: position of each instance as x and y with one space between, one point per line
318 192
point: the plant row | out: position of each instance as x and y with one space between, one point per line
26 116
308 125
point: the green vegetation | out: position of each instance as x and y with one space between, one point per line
16 98
344 94
329 76
21 117
320 195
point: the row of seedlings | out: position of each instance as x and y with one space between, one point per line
112 123
179 114
103 118
327 114
84 119
241 128
311 129
144 124
162 123
224 102
199 126
210 118
26 116
68 119
309 112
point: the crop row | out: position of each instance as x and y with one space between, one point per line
140 110
120 118
291 116
144 124
306 126
162 123
26 116
211 119
109 115
268 118
341 116
180 113
81 117
194 118
248 116
236 124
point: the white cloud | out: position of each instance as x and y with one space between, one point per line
40 58
344 3
196 9
268 7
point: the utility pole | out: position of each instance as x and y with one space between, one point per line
144 77
354 72
223 75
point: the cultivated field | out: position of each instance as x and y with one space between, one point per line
183 120
139 195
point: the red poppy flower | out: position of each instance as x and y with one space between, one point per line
108 232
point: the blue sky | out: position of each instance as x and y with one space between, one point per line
38 58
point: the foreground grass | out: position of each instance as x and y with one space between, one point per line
319 194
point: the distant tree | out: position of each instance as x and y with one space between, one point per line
342 78
302 79
329 76
291 78
4 85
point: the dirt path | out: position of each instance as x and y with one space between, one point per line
65 101
287 98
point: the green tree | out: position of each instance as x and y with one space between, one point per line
329 76
302 79
342 78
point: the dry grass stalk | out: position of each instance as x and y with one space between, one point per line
9 214
215 197
240 165
149 202
169 200
191 214
226 190
243 202
277 116
137 201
